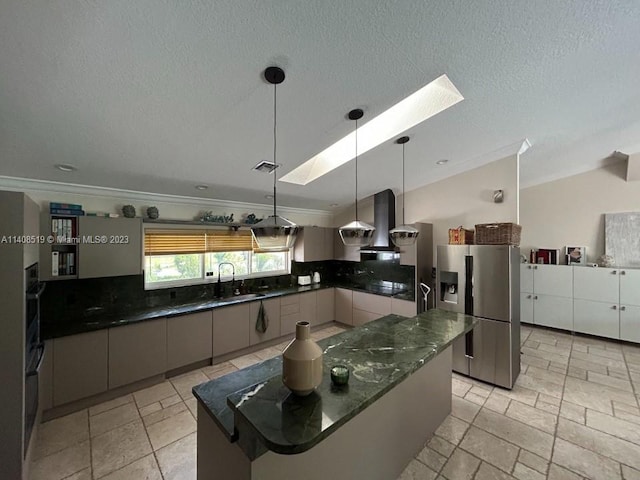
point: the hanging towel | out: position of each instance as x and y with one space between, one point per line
262 322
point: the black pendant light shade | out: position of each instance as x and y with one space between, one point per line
404 235
356 233
274 233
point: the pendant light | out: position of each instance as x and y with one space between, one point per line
404 235
274 233
356 233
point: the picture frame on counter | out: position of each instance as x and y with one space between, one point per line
576 255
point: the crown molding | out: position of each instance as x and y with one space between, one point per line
45 186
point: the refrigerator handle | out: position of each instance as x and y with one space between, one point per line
468 345
468 285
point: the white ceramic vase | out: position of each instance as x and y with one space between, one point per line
302 362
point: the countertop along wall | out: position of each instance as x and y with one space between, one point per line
570 211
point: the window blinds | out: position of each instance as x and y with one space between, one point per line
177 242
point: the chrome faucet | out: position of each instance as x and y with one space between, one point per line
218 287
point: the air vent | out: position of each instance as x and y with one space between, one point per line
265 166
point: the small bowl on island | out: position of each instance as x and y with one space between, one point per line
339 375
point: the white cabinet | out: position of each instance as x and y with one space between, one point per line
314 244
629 287
272 311
597 284
231 328
341 251
344 306
546 295
596 318
630 323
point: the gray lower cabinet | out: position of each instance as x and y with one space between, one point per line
360 317
189 339
325 301
405 308
45 378
289 313
79 366
137 351
120 254
272 312
309 307
231 328
344 306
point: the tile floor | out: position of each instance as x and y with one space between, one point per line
573 414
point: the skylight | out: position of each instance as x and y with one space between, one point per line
430 100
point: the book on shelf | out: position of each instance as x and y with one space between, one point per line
63 227
548 256
66 211
102 214
64 206
54 263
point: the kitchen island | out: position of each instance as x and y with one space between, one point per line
250 426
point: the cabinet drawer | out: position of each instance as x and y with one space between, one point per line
556 280
630 287
552 311
403 307
290 299
189 339
272 311
288 323
360 317
596 318
290 309
372 303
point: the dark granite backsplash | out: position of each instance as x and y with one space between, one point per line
367 272
73 299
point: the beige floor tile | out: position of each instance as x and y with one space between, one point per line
547 399
522 472
497 402
534 361
610 381
178 460
547 375
533 461
577 372
460 387
585 462
489 472
560 473
192 405
442 446
245 361
145 468
184 383
81 475
417 471
595 396
531 344
452 429
515 432
554 367
460 466
562 351
154 394
63 463
588 366
167 402
218 370
607 353
118 448
171 429
598 360
154 407
267 353
60 433
574 412
481 391
547 407
604 444
163 414
532 416
110 419
475 399
540 385
521 394
116 402
463 409
551 357
489 448
614 426
629 473
432 459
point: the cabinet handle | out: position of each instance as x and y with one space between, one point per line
614 272
528 296
623 308
622 272
535 267
615 307
529 267
535 297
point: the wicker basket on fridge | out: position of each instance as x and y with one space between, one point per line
498 234
460 236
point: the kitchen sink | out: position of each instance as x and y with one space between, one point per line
246 296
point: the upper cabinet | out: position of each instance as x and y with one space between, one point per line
314 244
116 248
341 251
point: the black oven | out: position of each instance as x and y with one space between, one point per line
34 348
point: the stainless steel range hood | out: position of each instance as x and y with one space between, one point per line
384 216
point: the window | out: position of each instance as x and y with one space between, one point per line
176 257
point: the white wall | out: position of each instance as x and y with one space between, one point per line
570 211
465 199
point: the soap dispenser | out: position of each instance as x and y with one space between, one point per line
316 277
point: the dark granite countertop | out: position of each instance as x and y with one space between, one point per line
98 319
379 354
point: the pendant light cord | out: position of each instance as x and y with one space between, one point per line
403 194
356 169
275 164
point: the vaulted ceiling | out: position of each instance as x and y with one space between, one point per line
159 96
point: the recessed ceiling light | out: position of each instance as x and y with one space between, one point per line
442 162
202 187
430 100
269 197
65 167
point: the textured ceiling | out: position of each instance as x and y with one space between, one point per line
159 96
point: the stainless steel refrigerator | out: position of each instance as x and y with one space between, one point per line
484 281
